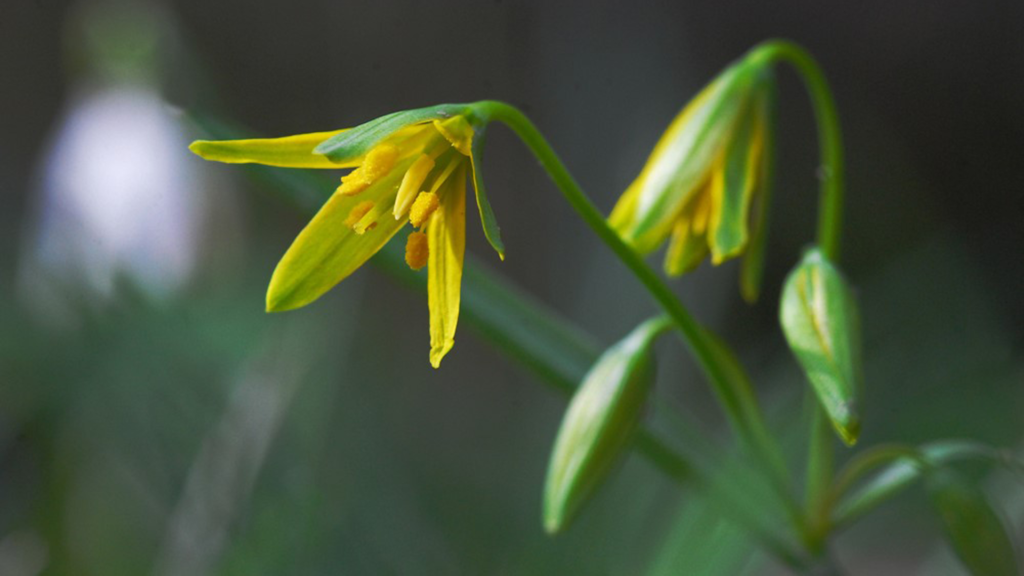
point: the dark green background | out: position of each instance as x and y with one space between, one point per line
351 455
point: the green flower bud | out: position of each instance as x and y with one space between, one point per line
820 320
705 174
599 423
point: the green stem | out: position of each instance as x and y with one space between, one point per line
820 466
736 395
681 472
830 215
553 350
830 141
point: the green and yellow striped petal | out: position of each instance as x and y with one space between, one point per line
446 238
683 156
688 245
740 169
287 152
752 266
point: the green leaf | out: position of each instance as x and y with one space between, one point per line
972 527
490 224
356 142
820 320
599 423
902 467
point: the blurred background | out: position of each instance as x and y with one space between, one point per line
154 420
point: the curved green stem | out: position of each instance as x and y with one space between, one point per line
830 141
735 393
830 216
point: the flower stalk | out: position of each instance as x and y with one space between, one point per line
830 220
740 403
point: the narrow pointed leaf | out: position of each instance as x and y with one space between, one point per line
972 526
896 474
599 424
287 152
356 142
820 320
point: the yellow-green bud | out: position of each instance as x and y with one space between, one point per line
819 317
705 174
599 423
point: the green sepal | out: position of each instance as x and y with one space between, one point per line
490 224
752 265
727 236
358 141
971 525
599 424
819 317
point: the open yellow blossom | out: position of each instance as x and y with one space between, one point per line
409 167
704 184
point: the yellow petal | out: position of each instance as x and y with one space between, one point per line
457 131
446 234
327 250
688 245
287 152
708 205
621 217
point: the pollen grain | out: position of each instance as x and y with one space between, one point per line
424 206
416 250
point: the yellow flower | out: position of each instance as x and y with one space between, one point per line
409 167
702 180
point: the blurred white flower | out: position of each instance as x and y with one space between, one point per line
119 196
120 200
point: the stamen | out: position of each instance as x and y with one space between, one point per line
416 250
379 161
368 221
411 183
423 208
702 212
353 183
377 164
357 213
